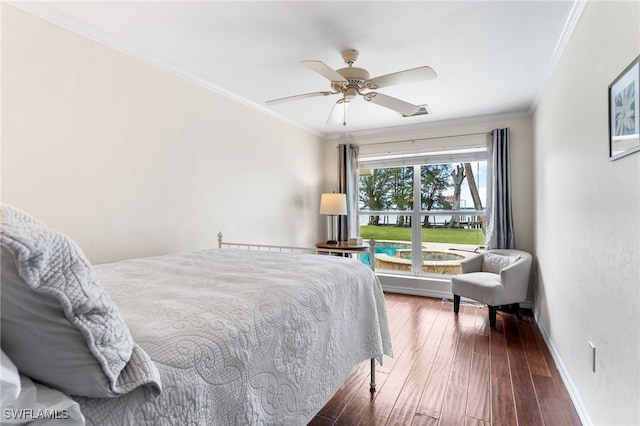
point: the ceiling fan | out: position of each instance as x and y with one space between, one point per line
353 81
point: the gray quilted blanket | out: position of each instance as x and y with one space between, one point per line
242 337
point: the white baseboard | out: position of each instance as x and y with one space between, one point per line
417 292
435 294
566 379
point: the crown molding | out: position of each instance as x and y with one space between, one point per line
46 12
54 16
567 31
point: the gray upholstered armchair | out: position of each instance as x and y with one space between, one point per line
496 278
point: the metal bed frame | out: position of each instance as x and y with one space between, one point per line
308 250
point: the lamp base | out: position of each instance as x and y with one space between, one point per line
332 229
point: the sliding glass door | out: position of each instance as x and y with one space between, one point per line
426 212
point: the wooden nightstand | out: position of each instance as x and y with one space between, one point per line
343 245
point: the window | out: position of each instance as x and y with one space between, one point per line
424 209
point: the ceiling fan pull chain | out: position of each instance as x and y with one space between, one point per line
344 114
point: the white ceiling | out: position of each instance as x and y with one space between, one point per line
491 57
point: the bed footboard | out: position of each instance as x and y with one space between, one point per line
308 250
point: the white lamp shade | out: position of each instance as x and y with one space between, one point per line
333 204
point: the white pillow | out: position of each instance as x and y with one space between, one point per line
26 402
9 381
494 263
57 324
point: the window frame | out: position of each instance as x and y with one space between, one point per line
417 159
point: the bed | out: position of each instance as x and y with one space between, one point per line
223 336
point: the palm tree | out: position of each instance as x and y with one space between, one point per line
458 176
475 195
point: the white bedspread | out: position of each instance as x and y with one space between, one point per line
242 337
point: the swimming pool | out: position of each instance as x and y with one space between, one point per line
388 248
396 256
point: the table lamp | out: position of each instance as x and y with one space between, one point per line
333 205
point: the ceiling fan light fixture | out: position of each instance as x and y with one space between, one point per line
350 92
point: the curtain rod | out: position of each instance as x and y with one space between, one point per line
426 139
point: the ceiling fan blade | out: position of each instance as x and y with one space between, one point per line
338 112
395 104
292 98
401 77
324 70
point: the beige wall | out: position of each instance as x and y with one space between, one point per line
587 226
131 161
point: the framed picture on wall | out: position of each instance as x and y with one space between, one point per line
624 117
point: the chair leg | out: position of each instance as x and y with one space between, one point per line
517 311
456 303
492 316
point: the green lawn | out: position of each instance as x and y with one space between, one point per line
435 235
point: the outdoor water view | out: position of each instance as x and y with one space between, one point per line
431 236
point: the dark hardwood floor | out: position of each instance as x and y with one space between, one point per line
455 370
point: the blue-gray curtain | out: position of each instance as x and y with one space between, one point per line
347 184
499 229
